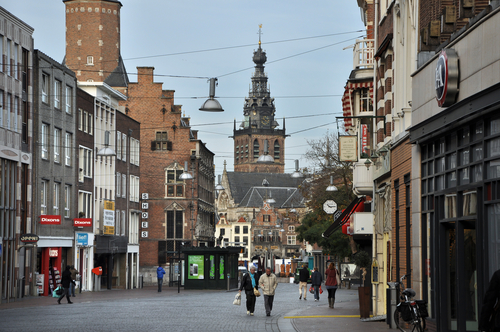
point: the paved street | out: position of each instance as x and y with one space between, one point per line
147 310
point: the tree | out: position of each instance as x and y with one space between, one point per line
323 153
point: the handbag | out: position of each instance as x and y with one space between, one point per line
256 292
237 299
311 290
320 290
338 278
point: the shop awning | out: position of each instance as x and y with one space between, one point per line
343 218
349 88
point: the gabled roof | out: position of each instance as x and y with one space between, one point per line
119 75
247 189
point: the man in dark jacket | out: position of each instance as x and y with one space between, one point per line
66 281
491 297
303 277
316 280
159 274
250 282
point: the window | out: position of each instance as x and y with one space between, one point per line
68 144
236 240
245 229
291 228
16 61
57 145
222 231
124 186
7 62
8 110
118 184
236 229
1 105
16 113
276 149
67 201
117 222
57 94
134 151
133 230
86 161
1 52
245 240
124 147
45 141
43 198
175 221
85 120
57 190
134 188
291 239
69 95
256 151
266 218
90 60
85 204
365 101
90 124
124 222
80 119
118 145
174 185
45 88
161 142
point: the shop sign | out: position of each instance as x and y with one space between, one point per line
82 222
109 218
348 148
196 267
364 140
82 239
29 238
53 252
446 78
50 220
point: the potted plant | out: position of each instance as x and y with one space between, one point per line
363 260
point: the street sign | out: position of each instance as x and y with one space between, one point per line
145 196
144 234
145 206
144 215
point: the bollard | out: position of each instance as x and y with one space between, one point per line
228 278
392 302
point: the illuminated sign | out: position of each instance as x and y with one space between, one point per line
50 220
53 252
82 222
29 238
446 78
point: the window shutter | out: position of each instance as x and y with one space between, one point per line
153 145
169 145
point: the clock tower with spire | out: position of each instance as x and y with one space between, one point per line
259 146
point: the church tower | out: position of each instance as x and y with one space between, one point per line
93 42
257 136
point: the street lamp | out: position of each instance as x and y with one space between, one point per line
265 158
211 104
331 187
297 173
106 151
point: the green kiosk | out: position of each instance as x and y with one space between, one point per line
210 268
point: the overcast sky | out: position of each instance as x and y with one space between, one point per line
307 65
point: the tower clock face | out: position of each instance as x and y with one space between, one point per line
265 120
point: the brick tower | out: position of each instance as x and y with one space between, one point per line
93 42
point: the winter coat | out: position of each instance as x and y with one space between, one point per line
331 277
304 274
268 283
490 298
66 279
246 282
316 278
160 272
74 272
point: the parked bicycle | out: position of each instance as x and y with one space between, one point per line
410 314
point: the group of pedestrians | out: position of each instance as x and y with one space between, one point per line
331 284
251 282
68 282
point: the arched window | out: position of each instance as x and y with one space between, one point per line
256 149
276 149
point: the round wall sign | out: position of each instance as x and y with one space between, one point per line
446 79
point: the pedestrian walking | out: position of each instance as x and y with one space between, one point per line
268 283
331 284
316 280
160 272
66 281
489 320
303 277
250 283
74 273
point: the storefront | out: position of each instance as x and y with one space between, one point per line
52 258
457 158
84 259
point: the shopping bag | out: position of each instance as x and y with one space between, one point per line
320 290
237 299
311 290
256 292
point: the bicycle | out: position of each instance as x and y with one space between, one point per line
409 314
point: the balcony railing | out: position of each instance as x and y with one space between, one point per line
363 53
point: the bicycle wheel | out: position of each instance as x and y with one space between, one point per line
401 324
420 324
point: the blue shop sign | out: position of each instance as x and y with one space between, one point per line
82 239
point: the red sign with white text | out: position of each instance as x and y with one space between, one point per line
50 220
53 252
82 222
364 139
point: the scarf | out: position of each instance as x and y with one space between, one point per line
252 276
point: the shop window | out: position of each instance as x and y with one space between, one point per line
450 206
469 203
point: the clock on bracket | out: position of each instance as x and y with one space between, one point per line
330 206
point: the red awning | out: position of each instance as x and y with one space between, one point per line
347 99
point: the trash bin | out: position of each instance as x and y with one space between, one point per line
392 302
141 281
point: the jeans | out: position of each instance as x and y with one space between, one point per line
303 285
66 293
316 292
160 283
72 289
268 303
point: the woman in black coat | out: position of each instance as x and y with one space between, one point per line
249 282
66 280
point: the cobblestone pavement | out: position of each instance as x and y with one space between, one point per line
190 310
